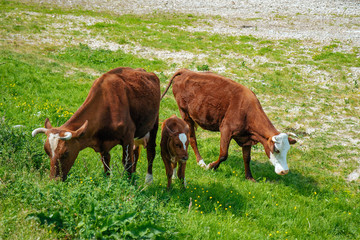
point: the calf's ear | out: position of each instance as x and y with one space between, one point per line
171 133
291 141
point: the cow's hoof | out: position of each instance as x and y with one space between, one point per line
213 166
251 179
149 179
174 176
202 164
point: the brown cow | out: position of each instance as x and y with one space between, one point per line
122 105
217 103
174 147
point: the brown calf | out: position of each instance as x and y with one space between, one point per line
174 147
217 103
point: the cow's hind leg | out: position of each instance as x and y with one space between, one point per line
192 139
150 152
224 147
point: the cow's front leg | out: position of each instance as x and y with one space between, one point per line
224 147
192 140
137 151
246 150
150 152
105 159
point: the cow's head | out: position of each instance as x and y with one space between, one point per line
279 145
62 146
178 144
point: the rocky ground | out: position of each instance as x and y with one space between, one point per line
301 19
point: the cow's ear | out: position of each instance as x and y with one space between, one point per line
47 123
171 132
292 141
271 145
81 130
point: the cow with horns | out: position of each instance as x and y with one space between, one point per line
216 103
122 106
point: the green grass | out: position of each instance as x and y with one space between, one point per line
47 70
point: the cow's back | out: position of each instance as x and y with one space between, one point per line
208 98
132 95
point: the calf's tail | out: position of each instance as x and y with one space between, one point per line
171 80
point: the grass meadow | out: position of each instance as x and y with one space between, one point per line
48 62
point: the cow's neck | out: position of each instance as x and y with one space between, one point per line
89 110
262 129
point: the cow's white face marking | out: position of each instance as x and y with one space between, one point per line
278 159
183 139
53 140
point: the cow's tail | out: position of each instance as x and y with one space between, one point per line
171 80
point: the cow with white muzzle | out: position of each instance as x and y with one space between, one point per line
217 103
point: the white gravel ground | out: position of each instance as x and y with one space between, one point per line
320 20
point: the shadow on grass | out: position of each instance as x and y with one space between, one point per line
264 172
200 198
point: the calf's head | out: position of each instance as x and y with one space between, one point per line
62 146
279 145
178 144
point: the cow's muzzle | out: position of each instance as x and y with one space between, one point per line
283 172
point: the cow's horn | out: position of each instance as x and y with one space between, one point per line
274 139
68 136
292 134
38 130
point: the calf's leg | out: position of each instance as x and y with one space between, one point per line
181 173
168 168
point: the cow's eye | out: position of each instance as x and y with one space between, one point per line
276 150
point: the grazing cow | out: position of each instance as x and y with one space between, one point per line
217 103
122 105
174 147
